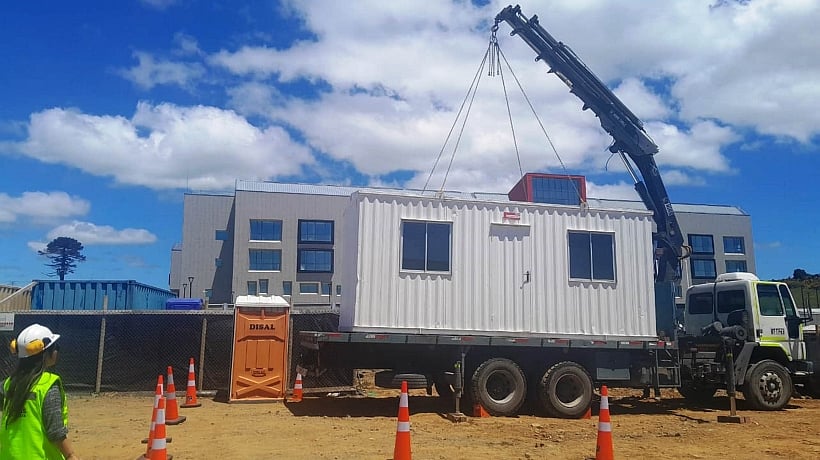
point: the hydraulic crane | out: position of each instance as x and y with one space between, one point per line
629 136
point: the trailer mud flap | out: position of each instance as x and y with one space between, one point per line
611 366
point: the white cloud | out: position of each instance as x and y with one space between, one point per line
384 80
618 191
151 72
89 234
37 246
165 146
41 206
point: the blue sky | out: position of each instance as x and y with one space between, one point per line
110 111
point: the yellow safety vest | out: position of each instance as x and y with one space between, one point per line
25 438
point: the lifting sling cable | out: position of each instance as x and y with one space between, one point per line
496 69
535 114
471 90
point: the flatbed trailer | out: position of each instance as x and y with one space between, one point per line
500 372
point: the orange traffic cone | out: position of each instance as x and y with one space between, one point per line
297 389
158 446
603 449
480 411
152 425
190 390
401 451
172 410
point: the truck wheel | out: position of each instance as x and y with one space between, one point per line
697 392
444 389
768 386
499 386
565 390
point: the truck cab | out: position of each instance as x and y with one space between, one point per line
765 336
765 309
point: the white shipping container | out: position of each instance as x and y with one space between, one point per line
505 269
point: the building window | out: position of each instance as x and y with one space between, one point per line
308 288
733 245
252 288
265 259
592 256
702 244
425 246
703 269
338 289
221 235
209 293
263 286
315 260
735 266
217 262
316 231
326 289
266 230
287 287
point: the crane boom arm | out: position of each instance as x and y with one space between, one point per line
625 127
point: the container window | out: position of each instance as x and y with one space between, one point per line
316 231
263 286
252 288
592 256
702 244
217 262
426 246
265 259
557 190
733 245
221 235
315 260
703 268
266 230
735 266
308 288
287 287
338 289
326 289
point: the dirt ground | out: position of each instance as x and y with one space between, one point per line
110 426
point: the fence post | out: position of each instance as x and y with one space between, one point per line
101 348
202 350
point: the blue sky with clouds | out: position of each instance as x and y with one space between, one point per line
111 110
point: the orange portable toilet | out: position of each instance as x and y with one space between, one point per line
260 349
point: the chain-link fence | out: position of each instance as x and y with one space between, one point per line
126 350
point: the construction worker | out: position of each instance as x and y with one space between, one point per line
35 415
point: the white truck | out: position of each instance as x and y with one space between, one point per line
504 302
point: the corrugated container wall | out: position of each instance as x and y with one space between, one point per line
93 294
20 302
508 275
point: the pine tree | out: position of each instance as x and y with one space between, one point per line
63 253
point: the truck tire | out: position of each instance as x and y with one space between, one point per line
697 392
499 386
390 379
565 390
443 388
768 386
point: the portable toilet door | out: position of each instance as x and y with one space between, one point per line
260 349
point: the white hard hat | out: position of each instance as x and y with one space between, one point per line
33 340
